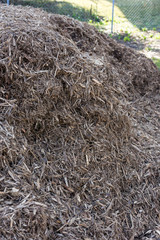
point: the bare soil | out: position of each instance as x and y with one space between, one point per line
149 47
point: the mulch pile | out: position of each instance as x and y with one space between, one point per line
76 159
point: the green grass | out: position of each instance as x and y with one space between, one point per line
157 62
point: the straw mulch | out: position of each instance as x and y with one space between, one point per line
78 132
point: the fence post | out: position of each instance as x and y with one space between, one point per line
112 16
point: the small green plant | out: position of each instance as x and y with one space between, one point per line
110 35
101 23
127 39
144 37
151 35
148 49
144 29
154 29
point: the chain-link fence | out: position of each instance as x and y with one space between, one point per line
139 13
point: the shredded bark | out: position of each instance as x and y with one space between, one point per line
79 132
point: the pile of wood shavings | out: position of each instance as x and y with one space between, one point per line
74 158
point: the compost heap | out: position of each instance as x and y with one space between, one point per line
72 162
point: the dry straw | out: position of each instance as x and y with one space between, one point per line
79 142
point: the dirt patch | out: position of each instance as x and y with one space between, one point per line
147 43
74 163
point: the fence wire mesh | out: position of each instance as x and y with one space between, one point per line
139 13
